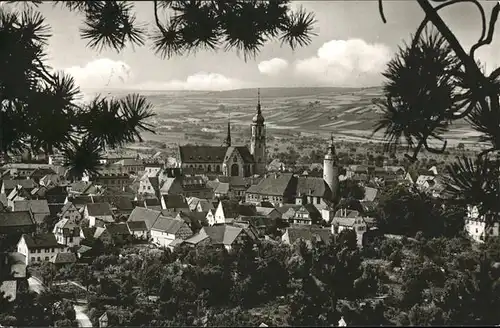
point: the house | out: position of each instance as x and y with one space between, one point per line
475 225
352 220
70 212
188 186
98 213
141 214
62 259
195 220
102 234
57 159
112 180
200 205
121 206
14 224
152 204
79 188
7 185
219 236
174 203
306 214
153 169
222 190
277 188
312 190
39 247
227 211
289 212
131 165
306 234
38 208
138 229
24 170
18 193
39 173
149 185
50 180
119 232
166 230
67 232
269 212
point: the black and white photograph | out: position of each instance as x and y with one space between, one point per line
249 163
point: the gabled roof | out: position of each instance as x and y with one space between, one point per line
24 183
79 186
42 240
275 185
233 209
137 226
202 154
286 207
66 207
168 225
308 234
370 194
175 202
222 188
36 206
80 200
63 258
242 150
99 209
264 210
117 228
70 228
143 214
16 219
218 234
312 186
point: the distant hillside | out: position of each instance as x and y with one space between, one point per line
282 92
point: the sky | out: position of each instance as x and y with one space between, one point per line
351 49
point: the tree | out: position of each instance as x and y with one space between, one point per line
448 84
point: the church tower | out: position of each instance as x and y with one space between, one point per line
331 172
227 141
258 140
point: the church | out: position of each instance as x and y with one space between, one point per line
228 159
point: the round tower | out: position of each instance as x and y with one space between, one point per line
331 172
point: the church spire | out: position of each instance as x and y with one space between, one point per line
258 118
227 142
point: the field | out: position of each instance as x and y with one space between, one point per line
349 114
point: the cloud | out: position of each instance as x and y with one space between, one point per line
352 62
273 66
198 81
101 73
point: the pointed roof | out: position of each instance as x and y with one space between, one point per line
258 118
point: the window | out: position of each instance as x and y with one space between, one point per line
70 239
53 250
318 200
235 159
33 259
39 250
38 258
46 258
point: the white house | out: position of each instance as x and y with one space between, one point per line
166 230
98 214
39 248
227 211
475 225
67 232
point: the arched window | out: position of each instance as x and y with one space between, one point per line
235 170
217 169
209 168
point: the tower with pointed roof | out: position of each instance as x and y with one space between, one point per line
331 172
258 139
227 141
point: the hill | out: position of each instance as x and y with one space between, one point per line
349 113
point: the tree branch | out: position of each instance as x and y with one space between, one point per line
484 41
157 20
426 19
381 11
